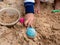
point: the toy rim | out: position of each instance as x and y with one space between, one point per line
14 21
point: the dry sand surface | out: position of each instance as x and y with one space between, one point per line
47 25
6 18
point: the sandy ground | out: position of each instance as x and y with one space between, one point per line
47 25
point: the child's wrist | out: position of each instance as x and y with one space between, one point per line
29 14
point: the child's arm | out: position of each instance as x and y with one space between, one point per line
37 2
37 7
29 10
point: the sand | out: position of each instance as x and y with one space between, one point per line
47 25
8 18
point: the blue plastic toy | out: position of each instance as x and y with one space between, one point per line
31 32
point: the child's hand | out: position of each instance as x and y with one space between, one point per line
29 19
37 8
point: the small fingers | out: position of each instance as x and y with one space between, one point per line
31 22
26 22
